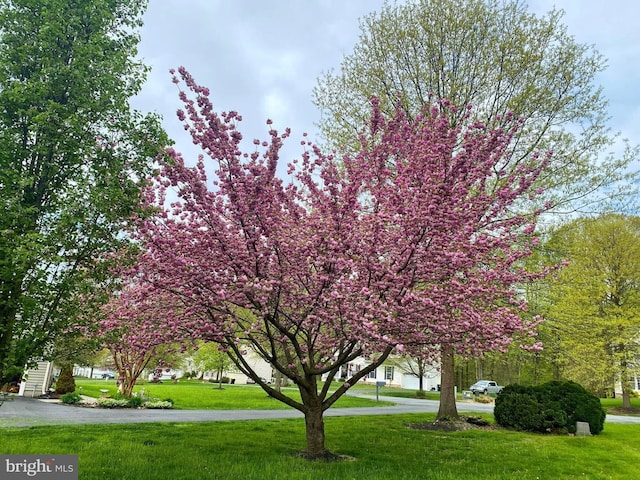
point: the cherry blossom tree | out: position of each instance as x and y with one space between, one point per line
141 327
408 244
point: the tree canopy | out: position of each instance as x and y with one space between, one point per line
513 68
498 57
594 303
72 157
402 244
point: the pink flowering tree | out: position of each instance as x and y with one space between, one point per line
408 245
141 327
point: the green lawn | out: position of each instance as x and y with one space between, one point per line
382 447
195 395
609 403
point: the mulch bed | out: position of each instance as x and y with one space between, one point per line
624 411
460 424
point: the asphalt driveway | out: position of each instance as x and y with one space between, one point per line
25 412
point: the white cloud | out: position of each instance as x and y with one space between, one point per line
263 58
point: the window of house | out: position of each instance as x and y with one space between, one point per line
388 373
372 374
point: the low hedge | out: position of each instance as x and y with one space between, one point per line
133 402
551 407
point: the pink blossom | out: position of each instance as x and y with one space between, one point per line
407 245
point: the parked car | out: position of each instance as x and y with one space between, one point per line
252 381
485 387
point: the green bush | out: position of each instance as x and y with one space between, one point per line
104 402
134 402
70 398
219 380
65 382
158 404
551 407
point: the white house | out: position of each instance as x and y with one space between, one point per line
395 372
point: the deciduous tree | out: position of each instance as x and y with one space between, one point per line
210 357
498 57
595 301
404 244
71 156
140 328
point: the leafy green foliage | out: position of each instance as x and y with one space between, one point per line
209 357
71 398
65 382
158 404
134 402
551 407
73 157
107 402
593 304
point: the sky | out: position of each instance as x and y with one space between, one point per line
263 59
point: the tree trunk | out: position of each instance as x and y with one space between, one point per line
625 380
126 387
314 423
421 369
626 398
447 409
8 313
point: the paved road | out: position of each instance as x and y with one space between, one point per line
24 412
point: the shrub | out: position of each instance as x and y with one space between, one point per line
551 407
65 382
112 402
134 402
219 380
159 404
483 399
70 398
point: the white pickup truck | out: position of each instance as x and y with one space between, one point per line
485 387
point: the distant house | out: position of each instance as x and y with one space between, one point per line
395 372
258 365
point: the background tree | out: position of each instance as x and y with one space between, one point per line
418 367
403 244
595 301
72 153
141 330
210 358
499 58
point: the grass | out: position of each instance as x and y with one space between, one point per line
195 395
382 447
403 393
612 403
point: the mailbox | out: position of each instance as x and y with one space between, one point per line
378 385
